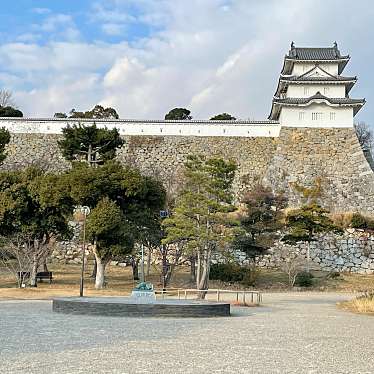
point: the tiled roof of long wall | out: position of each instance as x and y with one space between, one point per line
240 128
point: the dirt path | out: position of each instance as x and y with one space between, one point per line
291 333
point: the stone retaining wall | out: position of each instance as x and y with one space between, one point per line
297 156
334 156
162 156
352 252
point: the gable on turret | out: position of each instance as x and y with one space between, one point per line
317 71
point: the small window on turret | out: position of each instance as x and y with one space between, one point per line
301 116
325 90
306 91
317 116
332 116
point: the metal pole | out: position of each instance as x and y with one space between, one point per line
83 255
308 258
143 277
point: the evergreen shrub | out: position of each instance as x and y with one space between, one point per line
304 279
359 221
229 272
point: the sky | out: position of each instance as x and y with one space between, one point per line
145 57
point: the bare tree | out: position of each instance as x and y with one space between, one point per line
6 98
290 263
365 136
16 258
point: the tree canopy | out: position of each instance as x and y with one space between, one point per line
90 143
98 112
9 111
133 202
36 205
179 114
303 224
108 230
260 221
223 117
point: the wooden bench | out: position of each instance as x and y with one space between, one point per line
44 275
40 276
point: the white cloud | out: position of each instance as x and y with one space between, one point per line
208 55
28 37
101 12
41 10
112 29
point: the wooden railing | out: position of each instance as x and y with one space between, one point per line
254 297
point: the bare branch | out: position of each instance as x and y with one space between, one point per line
6 98
365 136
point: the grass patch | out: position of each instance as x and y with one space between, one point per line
362 304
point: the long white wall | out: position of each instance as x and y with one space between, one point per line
155 128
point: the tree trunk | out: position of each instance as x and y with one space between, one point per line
149 259
100 274
192 269
164 265
45 267
135 268
34 270
172 266
94 270
203 272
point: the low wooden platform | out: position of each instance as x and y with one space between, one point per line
128 307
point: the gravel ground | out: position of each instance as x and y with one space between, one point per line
291 333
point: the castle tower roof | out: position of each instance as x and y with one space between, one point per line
319 54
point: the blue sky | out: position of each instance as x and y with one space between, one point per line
31 20
144 57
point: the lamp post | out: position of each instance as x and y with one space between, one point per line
86 211
143 275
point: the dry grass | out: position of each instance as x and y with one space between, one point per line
66 283
362 304
119 282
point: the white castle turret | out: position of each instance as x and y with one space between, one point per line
312 92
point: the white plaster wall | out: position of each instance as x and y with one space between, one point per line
343 116
300 68
158 128
334 90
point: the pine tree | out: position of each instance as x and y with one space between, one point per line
200 219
